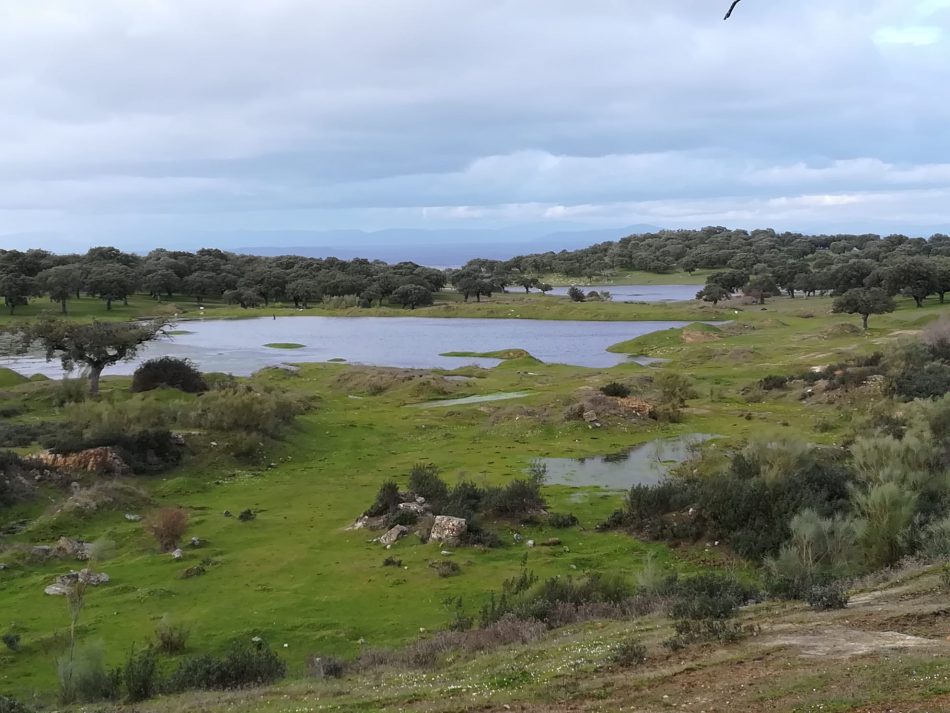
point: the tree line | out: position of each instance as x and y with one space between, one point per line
760 263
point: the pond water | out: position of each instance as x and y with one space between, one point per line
237 346
641 293
480 399
645 464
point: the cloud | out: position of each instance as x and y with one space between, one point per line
177 116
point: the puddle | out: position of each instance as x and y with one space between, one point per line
645 464
500 396
648 360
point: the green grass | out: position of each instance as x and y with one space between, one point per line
633 277
285 345
503 354
9 377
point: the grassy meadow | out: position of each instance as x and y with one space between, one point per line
298 578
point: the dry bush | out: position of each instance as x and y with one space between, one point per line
373 381
105 496
167 526
936 333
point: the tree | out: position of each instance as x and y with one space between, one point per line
864 301
729 280
96 345
411 296
527 282
576 293
915 277
761 286
712 293
111 282
161 282
61 283
544 287
16 289
201 284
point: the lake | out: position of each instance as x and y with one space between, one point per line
237 346
640 293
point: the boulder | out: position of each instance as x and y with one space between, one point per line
75 549
448 529
413 507
365 522
40 550
392 535
132 517
177 553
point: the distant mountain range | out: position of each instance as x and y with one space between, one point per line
438 248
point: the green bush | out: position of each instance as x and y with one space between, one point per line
12 705
83 677
616 389
518 498
245 410
425 482
241 667
561 520
446 568
824 597
11 640
629 653
170 638
709 596
170 372
387 499
140 676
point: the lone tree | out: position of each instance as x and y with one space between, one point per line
17 289
61 283
96 345
713 293
864 301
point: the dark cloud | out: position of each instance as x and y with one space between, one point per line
185 115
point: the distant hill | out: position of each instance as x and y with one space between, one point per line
442 248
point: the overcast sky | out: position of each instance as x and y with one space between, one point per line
142 120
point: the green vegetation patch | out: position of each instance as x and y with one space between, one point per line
178 332
285 345
9 377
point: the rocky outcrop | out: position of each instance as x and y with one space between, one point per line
102 461
66 548
447 529
65 583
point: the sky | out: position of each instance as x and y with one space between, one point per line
167 121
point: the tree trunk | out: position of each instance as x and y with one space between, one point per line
95 371
941 296
864 320
109 304
527 289
919 301
62 303
478 297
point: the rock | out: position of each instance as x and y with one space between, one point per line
530 543
195 542
76 549
391 536
445 553
518 537
551 542
413 507
104 461
3 566
40 550
448 529
590 416
365 522
194 571
65 583
420 500
247 515
132 517
177 553
227 513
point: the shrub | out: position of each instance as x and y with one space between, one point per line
689 631
773 382
402 517
576 294
170 638
709 596
675 389
629 653
247 411
424 481
167 527
12 705
616 389
562 521
520 497
392 562
242 666
247 515
446 568
945 577
11 641
326 667
387 499
168 371
827 596
83 677
141 675
477 535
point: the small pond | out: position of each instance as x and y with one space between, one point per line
238 346
645 464
478 399
640 293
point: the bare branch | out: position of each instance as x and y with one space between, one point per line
731 8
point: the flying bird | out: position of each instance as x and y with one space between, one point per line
731 8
